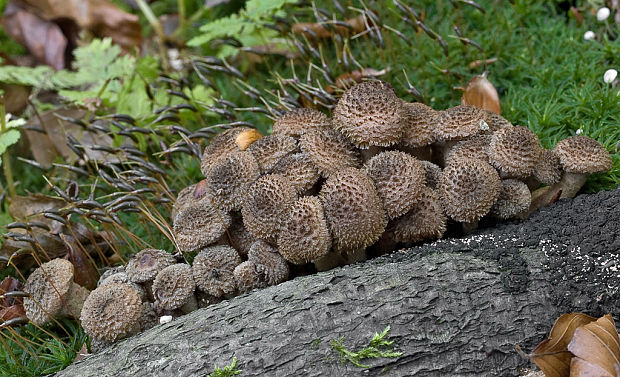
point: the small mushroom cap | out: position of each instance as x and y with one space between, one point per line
146 264
330 151
514 198
122 277
514 151
213 270
426 219
219 146
247 277
583 155
495 121
297 121
240 238
112 312
47 286
468 188
74 301
173 286
475 147
419 124
459 122
299 170
353 210
432 173
267 205
270 149
370 113
229 178
269 263
199 224
398 178
188 195
548 169
305 237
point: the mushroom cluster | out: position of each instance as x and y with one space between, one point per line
319 193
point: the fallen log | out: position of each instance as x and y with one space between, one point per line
457 307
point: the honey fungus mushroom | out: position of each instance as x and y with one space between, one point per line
329 151
213 270
270 149
514 151
173 287
297 121
514 198
229 178
247 277
425 220
199 224
269 263
419 123
219 146
370 113
146 264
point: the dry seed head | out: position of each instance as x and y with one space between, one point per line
370 113
199 224
298 121
305 237
468 189
270 265
398 178
329 151
47 286
426 220
459 122
213 270
219 146
353 210
514 151
299 170
229 178
173 286
514 198
270 149
419 124
145 265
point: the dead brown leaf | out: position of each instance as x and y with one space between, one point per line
10 284
82 354
84 273
12 312
31 207
552 355
596 347
481 93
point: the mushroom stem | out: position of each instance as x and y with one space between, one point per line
328 261
469 227
356 256
370 152
542 197
571 183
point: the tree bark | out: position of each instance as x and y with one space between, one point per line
457 307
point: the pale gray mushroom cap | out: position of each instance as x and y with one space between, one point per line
353 210
468 189
173 286
370 113
425 221
199 224
305 237
514 198
514 151
297 121
219 146
582 155
267 205
459 122
112 312
47 286
269 263
270 149
188 195
329 151
299 170
122 277
419 124
146 264
398 178
229 178
213 270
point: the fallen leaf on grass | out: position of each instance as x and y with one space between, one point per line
10 284
481 93
552 355
82 354
84 273
596 348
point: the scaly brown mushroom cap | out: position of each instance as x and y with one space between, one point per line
199 224
47 286
583 155
267 205
459 122
398 178
426 219
305 237
432 173
514 151
247 277
122 277
329 151
112 312
219 146
297 121
229 178
353 210
370 113
74 301
240 238
548 169
146 264
514 198
468 189
269 263
270 149
475 147
188 195
213 270
299 170
495 121
419 124
173 286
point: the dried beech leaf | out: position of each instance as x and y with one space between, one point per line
31 207
84 273
12 312
552 355
10 284
596 348
481 93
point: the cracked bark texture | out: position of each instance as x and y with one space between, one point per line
456 307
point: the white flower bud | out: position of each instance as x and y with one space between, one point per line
589 35
602 14
610 76
579 131
165 319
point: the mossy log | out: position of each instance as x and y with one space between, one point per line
456 307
